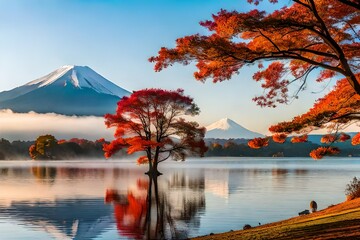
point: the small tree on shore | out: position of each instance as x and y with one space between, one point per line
352 190
150 121
44 148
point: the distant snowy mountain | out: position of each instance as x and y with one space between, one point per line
227 128
69 90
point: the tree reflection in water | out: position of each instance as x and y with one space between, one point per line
151 211
44 174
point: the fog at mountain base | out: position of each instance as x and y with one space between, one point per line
28 126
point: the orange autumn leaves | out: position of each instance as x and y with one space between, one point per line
306 34
299 139
297 40
356 139
322 151
279 138
258 143
330 138
316 154
340 106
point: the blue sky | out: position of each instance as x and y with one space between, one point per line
115 38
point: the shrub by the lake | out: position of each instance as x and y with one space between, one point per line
352 190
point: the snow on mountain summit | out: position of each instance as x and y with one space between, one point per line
69 90
223 124
79 77
226 128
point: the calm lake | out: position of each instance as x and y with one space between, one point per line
115 200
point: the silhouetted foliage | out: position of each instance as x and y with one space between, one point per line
313 206
352 190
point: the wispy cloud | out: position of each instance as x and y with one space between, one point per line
28 126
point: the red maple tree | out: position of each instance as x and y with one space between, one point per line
151 121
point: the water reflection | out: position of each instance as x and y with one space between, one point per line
152 211
44 174
63 219
4 171
68 202
86 200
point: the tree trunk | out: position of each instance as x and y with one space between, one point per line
354 83
350 76
153 171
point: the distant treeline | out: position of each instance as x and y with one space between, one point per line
14 150
239 148
85 149
64 149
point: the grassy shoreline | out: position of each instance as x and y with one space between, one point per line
341 221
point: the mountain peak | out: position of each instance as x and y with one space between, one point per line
70 89
79 77
226 128
224 123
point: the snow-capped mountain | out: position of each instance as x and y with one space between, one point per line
226 128
69 90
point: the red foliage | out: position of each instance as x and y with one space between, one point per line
142 160
307 34
279 138
296 40
112 195
129 215
356 139
328 138
148 120
100 140
299 139
81 141
320 152
343 137
113 147
340 106
258 143
32 151
142 184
